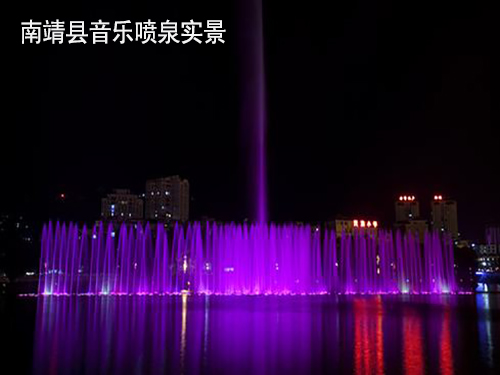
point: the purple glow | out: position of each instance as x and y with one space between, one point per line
260 335
254 107
240 259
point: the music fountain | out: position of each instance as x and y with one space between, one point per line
240 259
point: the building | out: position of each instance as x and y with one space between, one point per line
417 227
122 205
349 226
167 198
488 254
493 234
444 215
488 257
407 208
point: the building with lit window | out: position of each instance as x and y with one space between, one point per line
407 208
444 215
488 258
122 205
167 198
488 254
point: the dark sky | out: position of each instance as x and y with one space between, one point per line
366 100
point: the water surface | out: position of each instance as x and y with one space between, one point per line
266 335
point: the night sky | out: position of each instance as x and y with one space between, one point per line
366 100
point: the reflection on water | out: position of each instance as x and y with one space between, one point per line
267 335
446 354
486 330
368 336
413 357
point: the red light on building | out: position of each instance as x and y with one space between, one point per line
400 197
355 223
62 196
369 224
375 224
363 224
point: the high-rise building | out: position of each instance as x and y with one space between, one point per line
408 217
407 208
121 204
167 198
444 215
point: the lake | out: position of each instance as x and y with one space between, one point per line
323 334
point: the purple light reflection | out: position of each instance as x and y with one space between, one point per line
250 335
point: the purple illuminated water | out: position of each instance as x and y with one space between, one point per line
390 334
240 259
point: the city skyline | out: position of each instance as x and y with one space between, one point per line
65 210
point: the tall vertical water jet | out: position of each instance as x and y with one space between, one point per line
253 103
